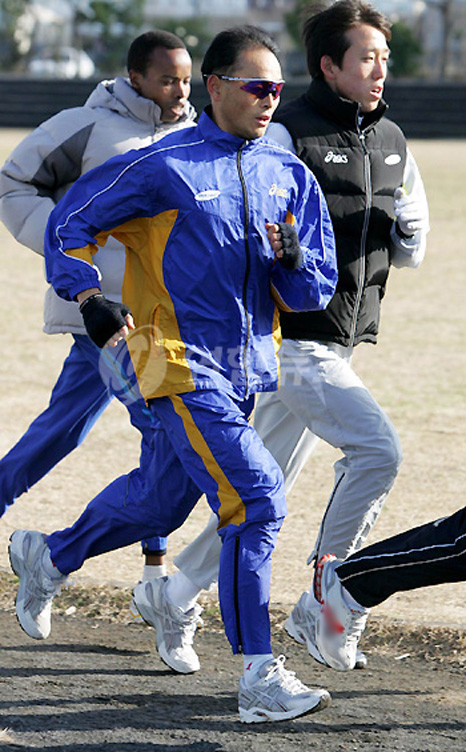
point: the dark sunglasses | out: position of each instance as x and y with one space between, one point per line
257 86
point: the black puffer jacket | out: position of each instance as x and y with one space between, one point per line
358 165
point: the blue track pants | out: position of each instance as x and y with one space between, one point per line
89 380
206 437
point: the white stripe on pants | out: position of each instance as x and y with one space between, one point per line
321 397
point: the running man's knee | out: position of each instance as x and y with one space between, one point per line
391 448
382 451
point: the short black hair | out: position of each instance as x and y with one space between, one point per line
142 47
226 47
325 28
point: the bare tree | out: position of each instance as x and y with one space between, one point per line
445 8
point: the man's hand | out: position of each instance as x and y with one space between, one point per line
409 213
106 322
285 244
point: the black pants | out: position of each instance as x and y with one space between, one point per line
428 555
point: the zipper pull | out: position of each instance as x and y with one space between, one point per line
362 140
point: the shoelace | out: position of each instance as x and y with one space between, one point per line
189 630
287 679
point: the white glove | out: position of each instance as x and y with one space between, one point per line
410 214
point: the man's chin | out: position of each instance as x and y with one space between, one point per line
171 116
370 106
256 133
374 103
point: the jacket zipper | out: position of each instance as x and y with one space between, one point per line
236 595
248 264
362 265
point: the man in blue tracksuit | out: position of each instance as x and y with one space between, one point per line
220 227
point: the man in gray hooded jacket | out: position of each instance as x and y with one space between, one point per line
122 114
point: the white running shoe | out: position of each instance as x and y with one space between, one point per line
338 626
36 589
301 624
278 695
175 629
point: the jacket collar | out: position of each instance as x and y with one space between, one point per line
118 95
211 132
345 112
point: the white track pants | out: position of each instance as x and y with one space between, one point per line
320 397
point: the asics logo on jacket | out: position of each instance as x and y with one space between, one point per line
331 156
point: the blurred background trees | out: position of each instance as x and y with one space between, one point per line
429 36
10 13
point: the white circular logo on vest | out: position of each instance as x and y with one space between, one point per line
393 159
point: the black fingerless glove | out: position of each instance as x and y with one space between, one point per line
292 254
102 317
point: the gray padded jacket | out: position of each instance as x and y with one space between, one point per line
114 119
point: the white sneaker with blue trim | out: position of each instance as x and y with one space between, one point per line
340 623
278 695
36 589
301 626
175 628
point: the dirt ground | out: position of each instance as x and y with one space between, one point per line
82 687
98 681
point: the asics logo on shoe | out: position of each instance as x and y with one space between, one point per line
207 195
332 156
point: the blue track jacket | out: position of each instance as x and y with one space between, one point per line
201 279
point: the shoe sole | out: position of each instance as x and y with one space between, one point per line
259 715
295 633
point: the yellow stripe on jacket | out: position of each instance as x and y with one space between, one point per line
156 347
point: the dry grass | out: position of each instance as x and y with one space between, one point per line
400 639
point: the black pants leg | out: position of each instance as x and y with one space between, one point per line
431 554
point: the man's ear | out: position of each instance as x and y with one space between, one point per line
135 78
214 87
327 67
